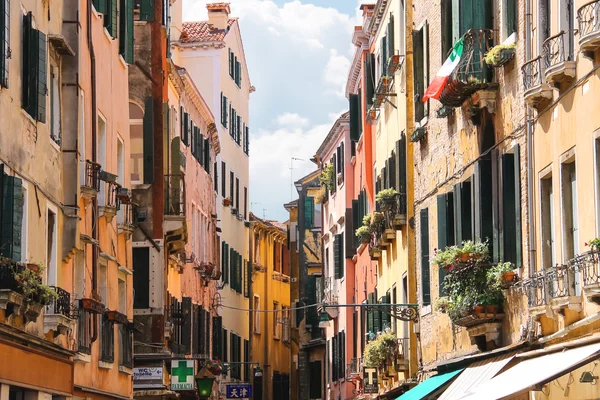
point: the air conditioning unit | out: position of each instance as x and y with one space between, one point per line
124 195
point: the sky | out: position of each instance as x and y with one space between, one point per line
298 55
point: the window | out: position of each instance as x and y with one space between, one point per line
225 261
143 10
511 206
246 359
225 347
338 256
315 378
54 104
544 23
103 280
445 221
224 110
120 176
141 278
509 16
4 41
421 70
122 292
231 64
547 221
52 247
110 16
107 340
247 140
217 338
256 315
216 178
245 203
285 314
566 19
276 332
237 193
425 273
126 348
84 330
309 211
126 30
569 209
231 187
11 217
34 70
102 157
223 179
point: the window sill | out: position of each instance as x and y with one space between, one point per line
84 358
107 34
276 338
256 333
123 62
54 144
426 310
126 370
105 365
29 118
96 13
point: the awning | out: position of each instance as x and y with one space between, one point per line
429 386
476 374
532 372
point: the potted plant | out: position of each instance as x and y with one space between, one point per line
381 350
442 304
364 234
33 290
445 258
593 244
226 201
214 366
327 177
473 251
386 198
500 55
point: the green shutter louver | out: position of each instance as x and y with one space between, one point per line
207 155
101 6
312 318
12 217
462 212
110 18
232 268
510 17
390 37
338 256
146 10
4 41
511 207
226 264
418 73
354 117
425 271
370 78
126 31
445 220
148 140
41 77
309 212
30 66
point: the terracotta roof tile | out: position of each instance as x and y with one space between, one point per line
201 31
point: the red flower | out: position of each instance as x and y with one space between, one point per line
450 267
586 244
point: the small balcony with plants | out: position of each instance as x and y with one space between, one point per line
175 209
90 182
588 17
537 91
387 353
22 291
113 203
371 233
472 74
559 64
589 264
328 182
474 289
393 205
58 315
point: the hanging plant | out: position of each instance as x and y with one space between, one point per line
364 233
380 351
327 177
500 54
31 285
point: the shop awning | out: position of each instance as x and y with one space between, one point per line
429 386
534 372
476 374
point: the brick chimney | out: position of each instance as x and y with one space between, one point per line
218 15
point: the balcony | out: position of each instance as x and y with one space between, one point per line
561 281
472 74
589 264
126 220
175 195
91 180
534 289
537 91
559 66
394 211
112 203
11 294
58 316
588 17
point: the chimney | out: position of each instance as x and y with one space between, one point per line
218 15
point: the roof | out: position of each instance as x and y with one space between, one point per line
202 32
326 146
282 226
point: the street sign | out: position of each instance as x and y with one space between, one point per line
239 391
182 375
370 384
147 374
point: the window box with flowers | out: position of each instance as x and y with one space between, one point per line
382 352
327 177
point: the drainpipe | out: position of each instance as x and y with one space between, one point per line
530 154
94 158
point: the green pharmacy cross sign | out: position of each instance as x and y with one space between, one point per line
182 375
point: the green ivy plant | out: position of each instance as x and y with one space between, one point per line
492 57
386 195
30 283
327 177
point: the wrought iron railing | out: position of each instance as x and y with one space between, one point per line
535 290
175 195
92 175
330 295
472 72
532 73
561 281
112 200
589 264
588 17
553 50
62 304
378 230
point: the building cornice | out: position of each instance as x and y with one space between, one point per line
378 16
333 135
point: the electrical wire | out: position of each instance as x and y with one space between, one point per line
267 311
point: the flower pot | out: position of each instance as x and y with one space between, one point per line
479 309
34 267
491 309
508 276
226 202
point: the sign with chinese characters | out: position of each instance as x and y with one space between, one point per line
239 391
370 384
182 375
147 374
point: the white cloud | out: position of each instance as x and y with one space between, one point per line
336 71
291 120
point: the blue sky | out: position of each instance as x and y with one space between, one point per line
298 54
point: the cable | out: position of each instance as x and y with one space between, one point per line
266 311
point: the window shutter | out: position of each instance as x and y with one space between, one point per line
336 257
309 211
370 315
126 30
456 29
447 43
312 319
334 358
207 155
419 90
247 140
12 217
384 56
484 209
376 317
186 329
390 36
425 64
41 77
186 127
231 63
349 238
146 10
248 278
511 17
110 18
369 79
30 66
196 328
354 117
101 6
445 223
462 212
511 207
226 264
4 41
148 143
425 272
217 338
231 259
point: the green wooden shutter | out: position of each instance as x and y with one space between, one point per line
354 117
510 17
337 256
390 37
148 143
207 161
511 207
110 18
386 318
425 271
334 358
126 31
42 60
146 10
418 67
475 14
309 212
12 217
370 78
376 317
447 38
240 278
312 319
248 273
4 41
445 223
226 263
462 212
350 237
101 6
247 140
30 65
356 223
370 314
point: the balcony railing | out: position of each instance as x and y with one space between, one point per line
330 295
60 305
588 16
561 281
112 199
534 288
532 73
175 195
589 264
92 175
553 50
472 72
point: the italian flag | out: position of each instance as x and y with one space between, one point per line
439 82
